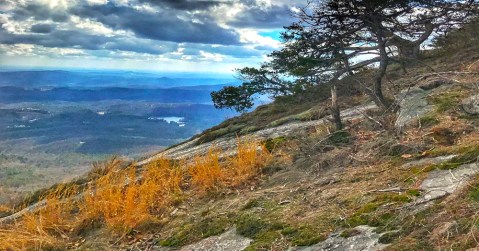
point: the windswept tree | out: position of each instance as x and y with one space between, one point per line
266 80
333 38
376 32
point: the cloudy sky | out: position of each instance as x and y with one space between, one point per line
159 35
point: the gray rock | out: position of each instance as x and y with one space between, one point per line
228 241
413 105
30 209
428 161
228 144
435 82
440 183
365 240
470 105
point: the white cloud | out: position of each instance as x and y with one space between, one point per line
96 2
211 56
94 27
125 48
252 37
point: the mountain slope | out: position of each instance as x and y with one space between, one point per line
405 181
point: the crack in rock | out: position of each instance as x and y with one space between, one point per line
440 183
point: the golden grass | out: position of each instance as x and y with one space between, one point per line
206 172
49 227
212 172
125 197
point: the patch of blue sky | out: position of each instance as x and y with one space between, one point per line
275 34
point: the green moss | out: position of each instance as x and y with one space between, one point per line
264 241
179 238
428 120
412 180
466 155
368 208
412 244
251 204
248 129
371 214
264 230
214 134
282 121
250 225
340 137
189 233
289 230
392 197
413 192
307 235
446 101
474 194
349 233
357 220
272 144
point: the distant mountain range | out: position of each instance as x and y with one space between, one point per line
95 79
75 86
199 95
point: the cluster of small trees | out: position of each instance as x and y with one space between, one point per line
336 38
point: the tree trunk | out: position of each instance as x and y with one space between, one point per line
407 50
335 111
377 91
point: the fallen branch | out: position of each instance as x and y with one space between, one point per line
387 190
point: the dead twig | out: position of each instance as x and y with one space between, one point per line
388 190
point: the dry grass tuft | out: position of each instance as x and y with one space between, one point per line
125 197
213 172
206 172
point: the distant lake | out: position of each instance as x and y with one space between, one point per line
178 120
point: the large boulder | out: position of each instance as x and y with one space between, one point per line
470 105
413 105
440 183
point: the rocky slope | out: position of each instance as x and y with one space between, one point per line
389 181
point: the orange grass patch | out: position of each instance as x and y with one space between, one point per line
212 172
124 198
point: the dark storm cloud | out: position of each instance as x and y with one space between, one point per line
42 28
164 25
272 17
160 28
39 12
82 40
62 39
185 4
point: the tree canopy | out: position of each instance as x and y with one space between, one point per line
332 38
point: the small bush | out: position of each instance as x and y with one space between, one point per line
428 120
340 137
273 144
250 226
474 194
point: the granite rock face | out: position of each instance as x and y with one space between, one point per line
365 240
441 183
228 241
413 105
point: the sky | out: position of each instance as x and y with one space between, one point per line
146 35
